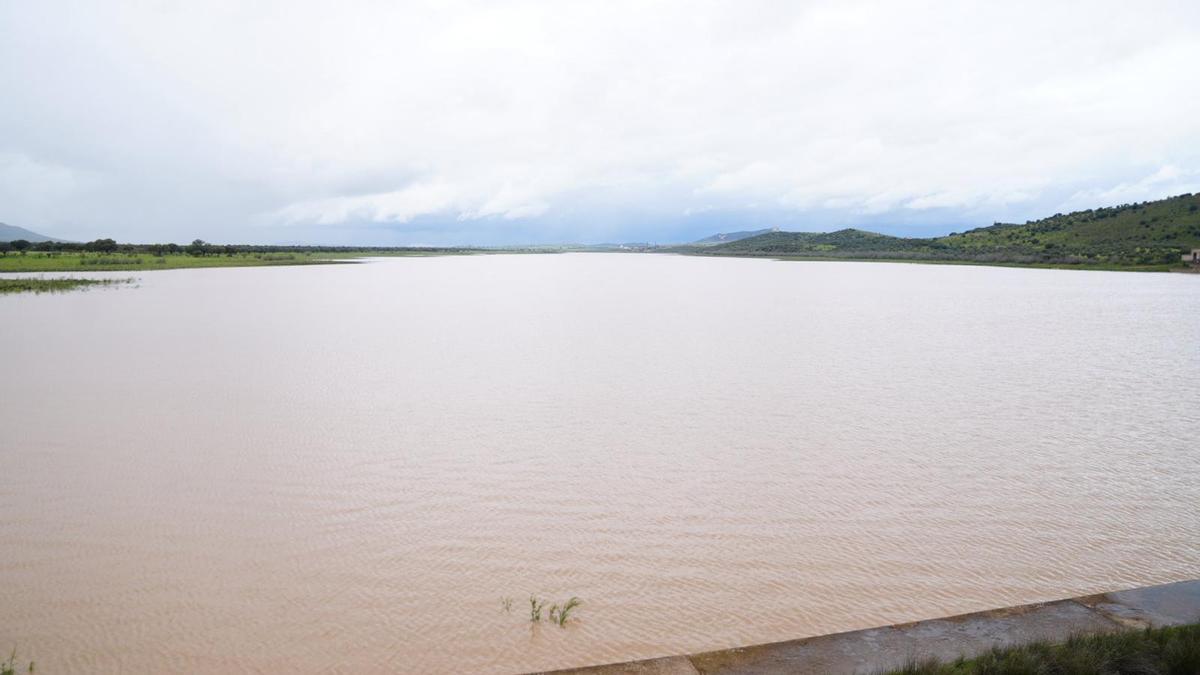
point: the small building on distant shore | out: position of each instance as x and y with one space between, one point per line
1193 257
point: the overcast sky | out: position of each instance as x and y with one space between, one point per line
555 121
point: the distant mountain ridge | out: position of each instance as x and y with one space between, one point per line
1149 233
13 233
722 237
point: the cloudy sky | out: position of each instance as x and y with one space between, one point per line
557 121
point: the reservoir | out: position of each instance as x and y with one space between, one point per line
372 467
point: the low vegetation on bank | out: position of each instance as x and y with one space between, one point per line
60 285
1162 651
107 254
88 262
1149 235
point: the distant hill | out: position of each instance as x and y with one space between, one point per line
13 233
722 237
1149 233
843 241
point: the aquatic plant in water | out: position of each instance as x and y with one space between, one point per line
565 611
559 613
535 608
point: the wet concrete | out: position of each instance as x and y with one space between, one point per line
877 650
1152 606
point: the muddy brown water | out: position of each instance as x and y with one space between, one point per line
347 468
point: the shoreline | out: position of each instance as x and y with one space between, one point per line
143 262
884 648
1083 267
72 262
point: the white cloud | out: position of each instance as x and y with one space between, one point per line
418 199
396 206
204 118
1168 179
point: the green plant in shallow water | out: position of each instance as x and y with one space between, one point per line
561 614
506 604
564 611
42 285
535 608
558 613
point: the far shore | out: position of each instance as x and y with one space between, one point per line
1096 267
140 261
55 261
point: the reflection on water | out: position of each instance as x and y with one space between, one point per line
312 468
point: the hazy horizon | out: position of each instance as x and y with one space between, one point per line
461 123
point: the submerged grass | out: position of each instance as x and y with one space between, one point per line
1157 651
558 613
535 608
60 285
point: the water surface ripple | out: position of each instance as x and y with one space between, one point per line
345 468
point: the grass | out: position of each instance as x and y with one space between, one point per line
535 608
140 260
559 613
1158 651
61 285
75 262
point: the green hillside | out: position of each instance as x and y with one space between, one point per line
1146 234
840 242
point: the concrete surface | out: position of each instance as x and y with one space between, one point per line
877 650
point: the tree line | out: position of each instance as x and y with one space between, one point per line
198 247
